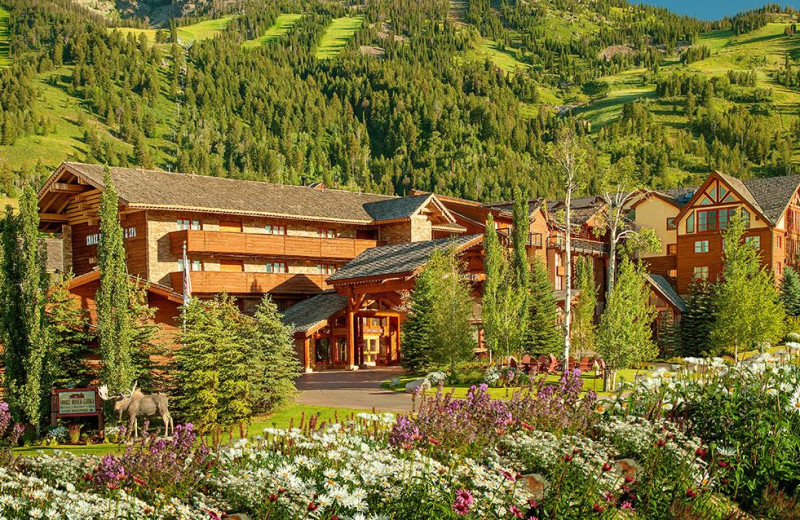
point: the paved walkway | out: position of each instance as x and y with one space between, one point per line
358 389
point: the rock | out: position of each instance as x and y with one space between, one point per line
421 384
628 468
394 383
238 516
535 484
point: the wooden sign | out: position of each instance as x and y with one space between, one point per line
76 402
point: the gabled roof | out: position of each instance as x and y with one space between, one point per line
153 189
508 205
678 196
155 288
398 259
663 287
768 196
313 313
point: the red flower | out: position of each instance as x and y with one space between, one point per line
629 479
597 508
312 507
139 481
723 464
700 452
691 493
88 477
272 497
460 507
435 442
111 485
606 466
661 443
568 457
526 425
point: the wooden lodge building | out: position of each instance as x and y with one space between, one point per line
341 264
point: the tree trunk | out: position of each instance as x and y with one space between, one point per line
567 274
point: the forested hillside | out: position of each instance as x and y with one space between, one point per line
461 97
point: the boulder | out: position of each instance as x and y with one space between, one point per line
421 384
534 484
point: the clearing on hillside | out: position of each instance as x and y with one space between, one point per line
5 38
337 35
283 23
196 31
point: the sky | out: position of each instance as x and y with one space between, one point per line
715 9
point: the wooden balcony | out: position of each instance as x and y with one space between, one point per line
263 245
210 282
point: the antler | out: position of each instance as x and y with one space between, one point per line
103 392
134 387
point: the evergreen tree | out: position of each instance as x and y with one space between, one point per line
197 374
698 320
68 333
494 267
624 337
749 310
519 240
235 367
416 356
15 336
790 291
583 326
113 296
276 365
543 335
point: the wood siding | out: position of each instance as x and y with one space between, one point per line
253 244
210 282
84 256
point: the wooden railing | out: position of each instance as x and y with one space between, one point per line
256 244
211 282
579 245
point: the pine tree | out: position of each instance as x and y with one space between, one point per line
113 296
624 337
416 356
583 326
68 333
235 367
790 291
749 310
698 320
277 364
15 337
519 239
543 335
197 373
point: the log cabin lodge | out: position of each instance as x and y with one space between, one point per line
340 264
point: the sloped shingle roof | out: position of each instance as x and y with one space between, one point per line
309 314
773 193
664 287
680 195
395 258
396 208
158 189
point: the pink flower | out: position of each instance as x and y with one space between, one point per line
465 496
626 505
460 507
516 512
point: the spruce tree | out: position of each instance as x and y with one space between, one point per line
235 367
276 366
15 337
519 240
113 296
493 267
543 335
416 357
698 320
68 333
790 291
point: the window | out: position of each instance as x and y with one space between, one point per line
700 273
780 242
322 350
129 232
701 246
189 224
672 273
754 242
707 220
326 268
276 267
275 229
341 350
326 233
93 240
194 265
690 223
672 249
746 217
671 223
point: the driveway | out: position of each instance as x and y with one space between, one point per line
359 389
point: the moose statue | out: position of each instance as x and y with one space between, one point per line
136 403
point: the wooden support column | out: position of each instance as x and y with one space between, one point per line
307 354
351 334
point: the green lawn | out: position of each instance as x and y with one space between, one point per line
196 31
5 38
292 415
337 35
283 23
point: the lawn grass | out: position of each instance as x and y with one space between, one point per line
5 38
337 35
291 415
283 23
196 31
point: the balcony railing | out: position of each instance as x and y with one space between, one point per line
534 239
256 244
579 245
211 282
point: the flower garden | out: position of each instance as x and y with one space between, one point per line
707 440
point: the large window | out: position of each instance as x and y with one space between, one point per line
326 268
754 242
690 223
326 233
194 265
672 249
701 273
275 229
701 246
707 220
714 219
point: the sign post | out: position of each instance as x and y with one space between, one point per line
77 402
